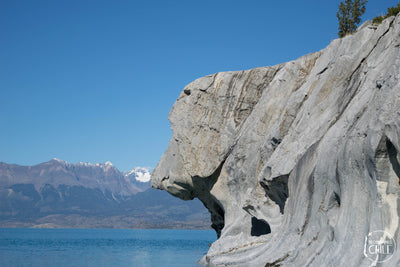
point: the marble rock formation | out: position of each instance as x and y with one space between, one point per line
297 163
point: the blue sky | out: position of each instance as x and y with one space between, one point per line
94 81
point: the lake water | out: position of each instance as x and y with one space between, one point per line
103 247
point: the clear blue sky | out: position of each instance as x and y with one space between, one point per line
94 81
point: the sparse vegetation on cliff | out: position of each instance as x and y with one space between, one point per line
391 11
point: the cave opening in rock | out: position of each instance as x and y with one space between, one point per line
393 158
259 227
277 190
337 198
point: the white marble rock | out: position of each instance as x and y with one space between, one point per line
299 162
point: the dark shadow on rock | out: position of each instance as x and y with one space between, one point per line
204 186
277 190
259 227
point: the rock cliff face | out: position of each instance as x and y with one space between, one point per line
299 162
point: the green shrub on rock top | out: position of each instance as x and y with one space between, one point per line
391 11
349 16
378 20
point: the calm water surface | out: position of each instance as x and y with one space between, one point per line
103 247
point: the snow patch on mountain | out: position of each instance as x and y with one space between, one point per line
140 174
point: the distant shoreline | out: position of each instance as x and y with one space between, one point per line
60 227
143 225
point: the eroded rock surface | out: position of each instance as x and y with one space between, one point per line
298 162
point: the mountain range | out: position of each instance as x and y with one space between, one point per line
58 194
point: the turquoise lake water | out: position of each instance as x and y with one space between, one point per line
103 247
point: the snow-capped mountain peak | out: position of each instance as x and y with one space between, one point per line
58 160
140 174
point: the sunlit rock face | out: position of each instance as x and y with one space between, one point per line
299 162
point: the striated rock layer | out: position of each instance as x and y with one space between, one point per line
299 162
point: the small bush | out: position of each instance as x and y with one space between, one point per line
391 11
378 20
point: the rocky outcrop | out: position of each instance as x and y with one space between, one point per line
299 162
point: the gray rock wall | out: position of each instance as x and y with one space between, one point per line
299 162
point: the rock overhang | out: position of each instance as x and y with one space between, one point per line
284 157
